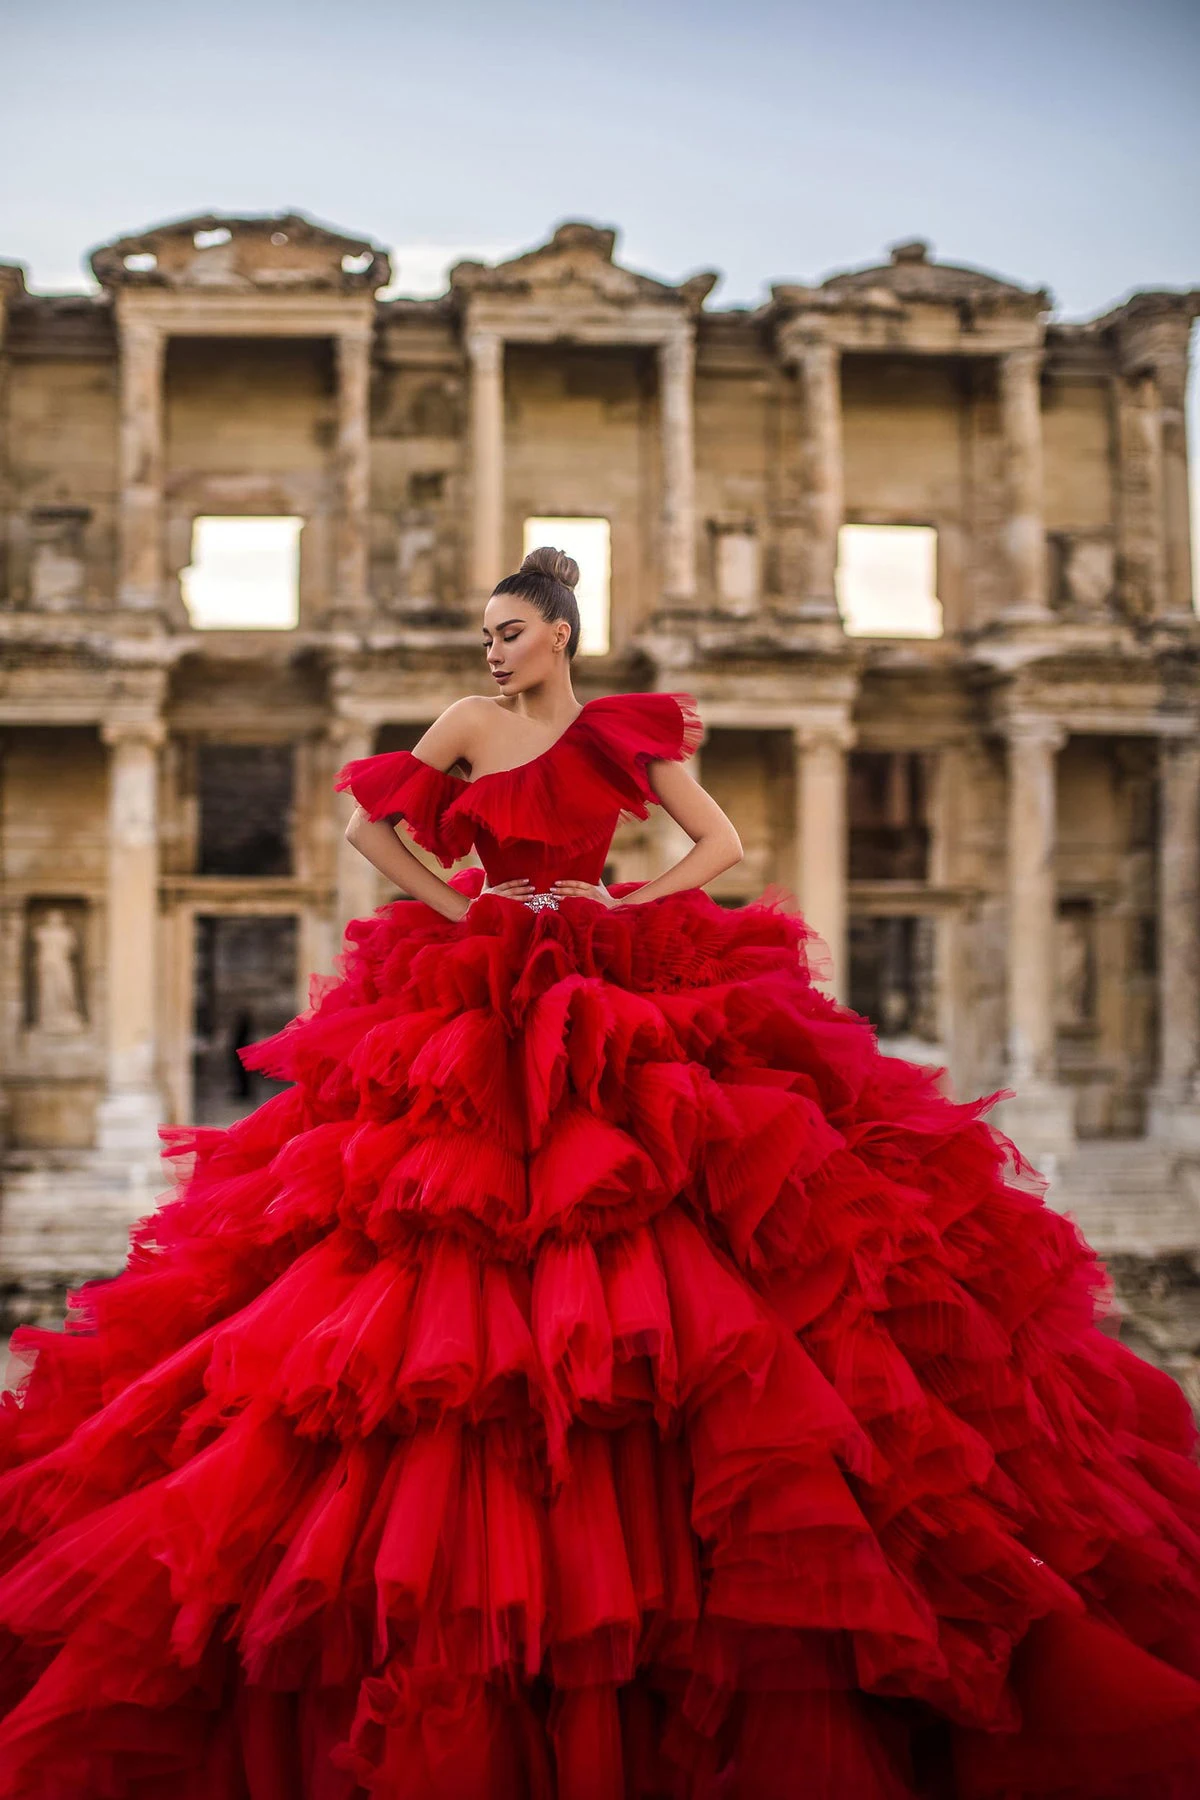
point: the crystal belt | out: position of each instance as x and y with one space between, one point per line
540 901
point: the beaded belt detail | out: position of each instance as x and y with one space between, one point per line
539 902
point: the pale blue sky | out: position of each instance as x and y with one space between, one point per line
1055 142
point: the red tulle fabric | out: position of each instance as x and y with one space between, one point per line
599 1373
552 817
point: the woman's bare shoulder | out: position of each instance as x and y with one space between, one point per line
458 731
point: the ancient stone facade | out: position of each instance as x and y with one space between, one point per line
997 831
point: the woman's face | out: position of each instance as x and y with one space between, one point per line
521 647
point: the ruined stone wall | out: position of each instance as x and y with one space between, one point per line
997 831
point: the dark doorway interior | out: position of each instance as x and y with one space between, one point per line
245 985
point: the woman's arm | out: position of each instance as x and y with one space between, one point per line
716 846
450 738
377 841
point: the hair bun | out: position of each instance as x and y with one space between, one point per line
555 563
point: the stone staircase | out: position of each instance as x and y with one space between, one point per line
64 1218
1132 1197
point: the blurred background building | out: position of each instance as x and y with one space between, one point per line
921 551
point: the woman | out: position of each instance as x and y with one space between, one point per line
601 1372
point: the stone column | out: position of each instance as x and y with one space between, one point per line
1176 499
140 576
357 884
131 1108
676 377
353 462
1141 560
820 366
1040 1118
822 849
1025 531
1175 1106
486 352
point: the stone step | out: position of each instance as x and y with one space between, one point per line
1133 1197
66 1217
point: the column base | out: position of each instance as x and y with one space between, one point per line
1040 1120
1022 615
127 1126
1174 1118
818 609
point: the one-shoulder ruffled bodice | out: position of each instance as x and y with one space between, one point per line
552 817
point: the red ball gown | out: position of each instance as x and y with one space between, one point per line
601 1374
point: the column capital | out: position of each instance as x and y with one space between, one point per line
824 734
357 330
120 732
485 349
1035 728
801 343
348 728
135 331
678 345
1023 363
1181 751
1158 345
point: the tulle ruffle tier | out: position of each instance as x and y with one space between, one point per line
600 1373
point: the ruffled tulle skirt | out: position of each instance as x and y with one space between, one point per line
600 1373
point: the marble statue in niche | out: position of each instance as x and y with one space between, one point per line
56 969
1075 1005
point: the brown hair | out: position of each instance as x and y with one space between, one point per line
547 579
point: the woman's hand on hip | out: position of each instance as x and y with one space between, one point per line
519 888
585 890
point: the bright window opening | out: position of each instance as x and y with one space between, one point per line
589 541
887 581
244 574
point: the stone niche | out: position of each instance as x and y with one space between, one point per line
1082 573
57 557
415 569
55 967
736 557
55 1082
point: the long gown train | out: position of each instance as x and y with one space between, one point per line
600 1372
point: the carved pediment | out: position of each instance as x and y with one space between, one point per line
911 275
286 253
577 268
